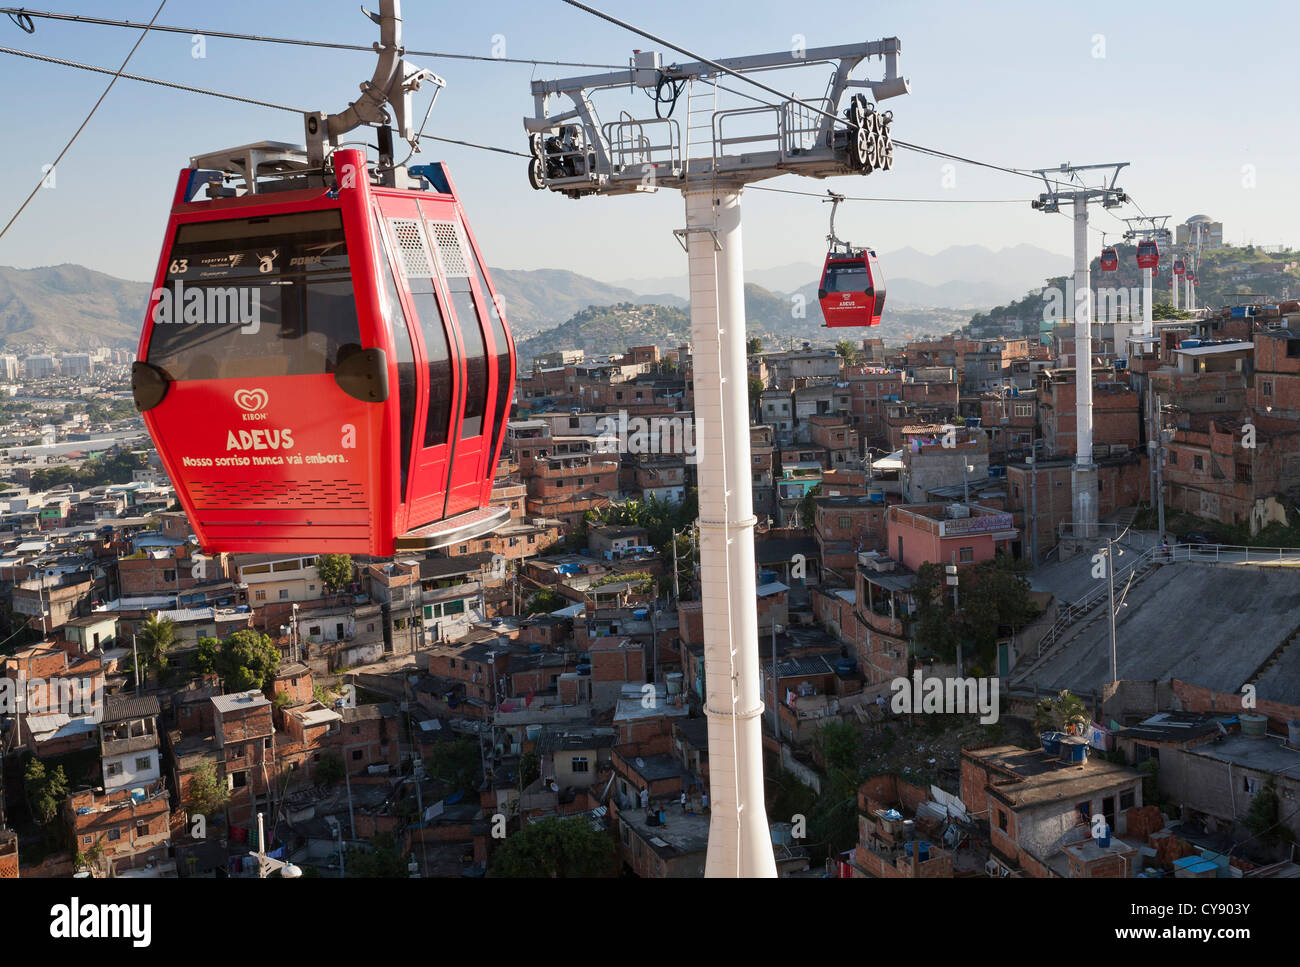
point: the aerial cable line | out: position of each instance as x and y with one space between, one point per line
146 80
45 58
810 107
919 201
23 12
116 74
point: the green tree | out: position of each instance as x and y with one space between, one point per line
530 769
329 770
755 393
808 507
207 793
993 595
154 639
838 743
205 658
848 352
1065 713
753 345
335 570
456 763
382 861
555 847
45 791
248 659
1264 819
545 601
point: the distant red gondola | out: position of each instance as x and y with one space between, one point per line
1180 267
1148 254
852 287
1109 260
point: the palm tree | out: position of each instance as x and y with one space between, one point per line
155 638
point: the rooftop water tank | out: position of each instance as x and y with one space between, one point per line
1074 750
1051 742
1253 724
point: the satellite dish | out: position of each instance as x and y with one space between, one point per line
555 787
640 763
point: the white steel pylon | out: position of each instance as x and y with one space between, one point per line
1084 479
574 154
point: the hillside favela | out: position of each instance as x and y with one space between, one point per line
410 492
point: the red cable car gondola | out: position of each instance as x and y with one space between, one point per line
1109 259
357 400
1148 254
1180 267
852 286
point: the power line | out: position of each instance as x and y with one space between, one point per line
949 201
62 62
66 147
23 12
788 97
145 80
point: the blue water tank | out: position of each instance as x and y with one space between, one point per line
534 648
1051 742
1074 750
584 669
846 666
640 614
1189 344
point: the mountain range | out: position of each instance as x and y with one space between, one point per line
958 277
66 307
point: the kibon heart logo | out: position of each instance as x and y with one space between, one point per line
251 399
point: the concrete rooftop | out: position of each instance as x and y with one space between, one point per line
1206 624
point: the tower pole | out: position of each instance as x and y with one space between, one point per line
1085 471
740 842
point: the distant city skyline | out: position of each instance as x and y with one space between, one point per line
1008 86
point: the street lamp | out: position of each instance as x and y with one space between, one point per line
950 571
965 482
267 865
1111 553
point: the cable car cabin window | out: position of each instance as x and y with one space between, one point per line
435 344
250 297
476 371
406 382
847 277
503 357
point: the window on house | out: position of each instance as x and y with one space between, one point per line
356 730
1250 785
284 594
578 763
169 575
113 769
1127 800
1198 462
114 835
144 763
1082 813
311 587
1002 821
1268 387
1173 456
314 630
239 779
259 595
966 554
356 755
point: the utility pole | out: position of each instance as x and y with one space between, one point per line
677 591
950 571
574 154
1160 469
1084 482
1110 578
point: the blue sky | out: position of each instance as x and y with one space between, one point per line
1189 99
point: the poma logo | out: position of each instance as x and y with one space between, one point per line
252 400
